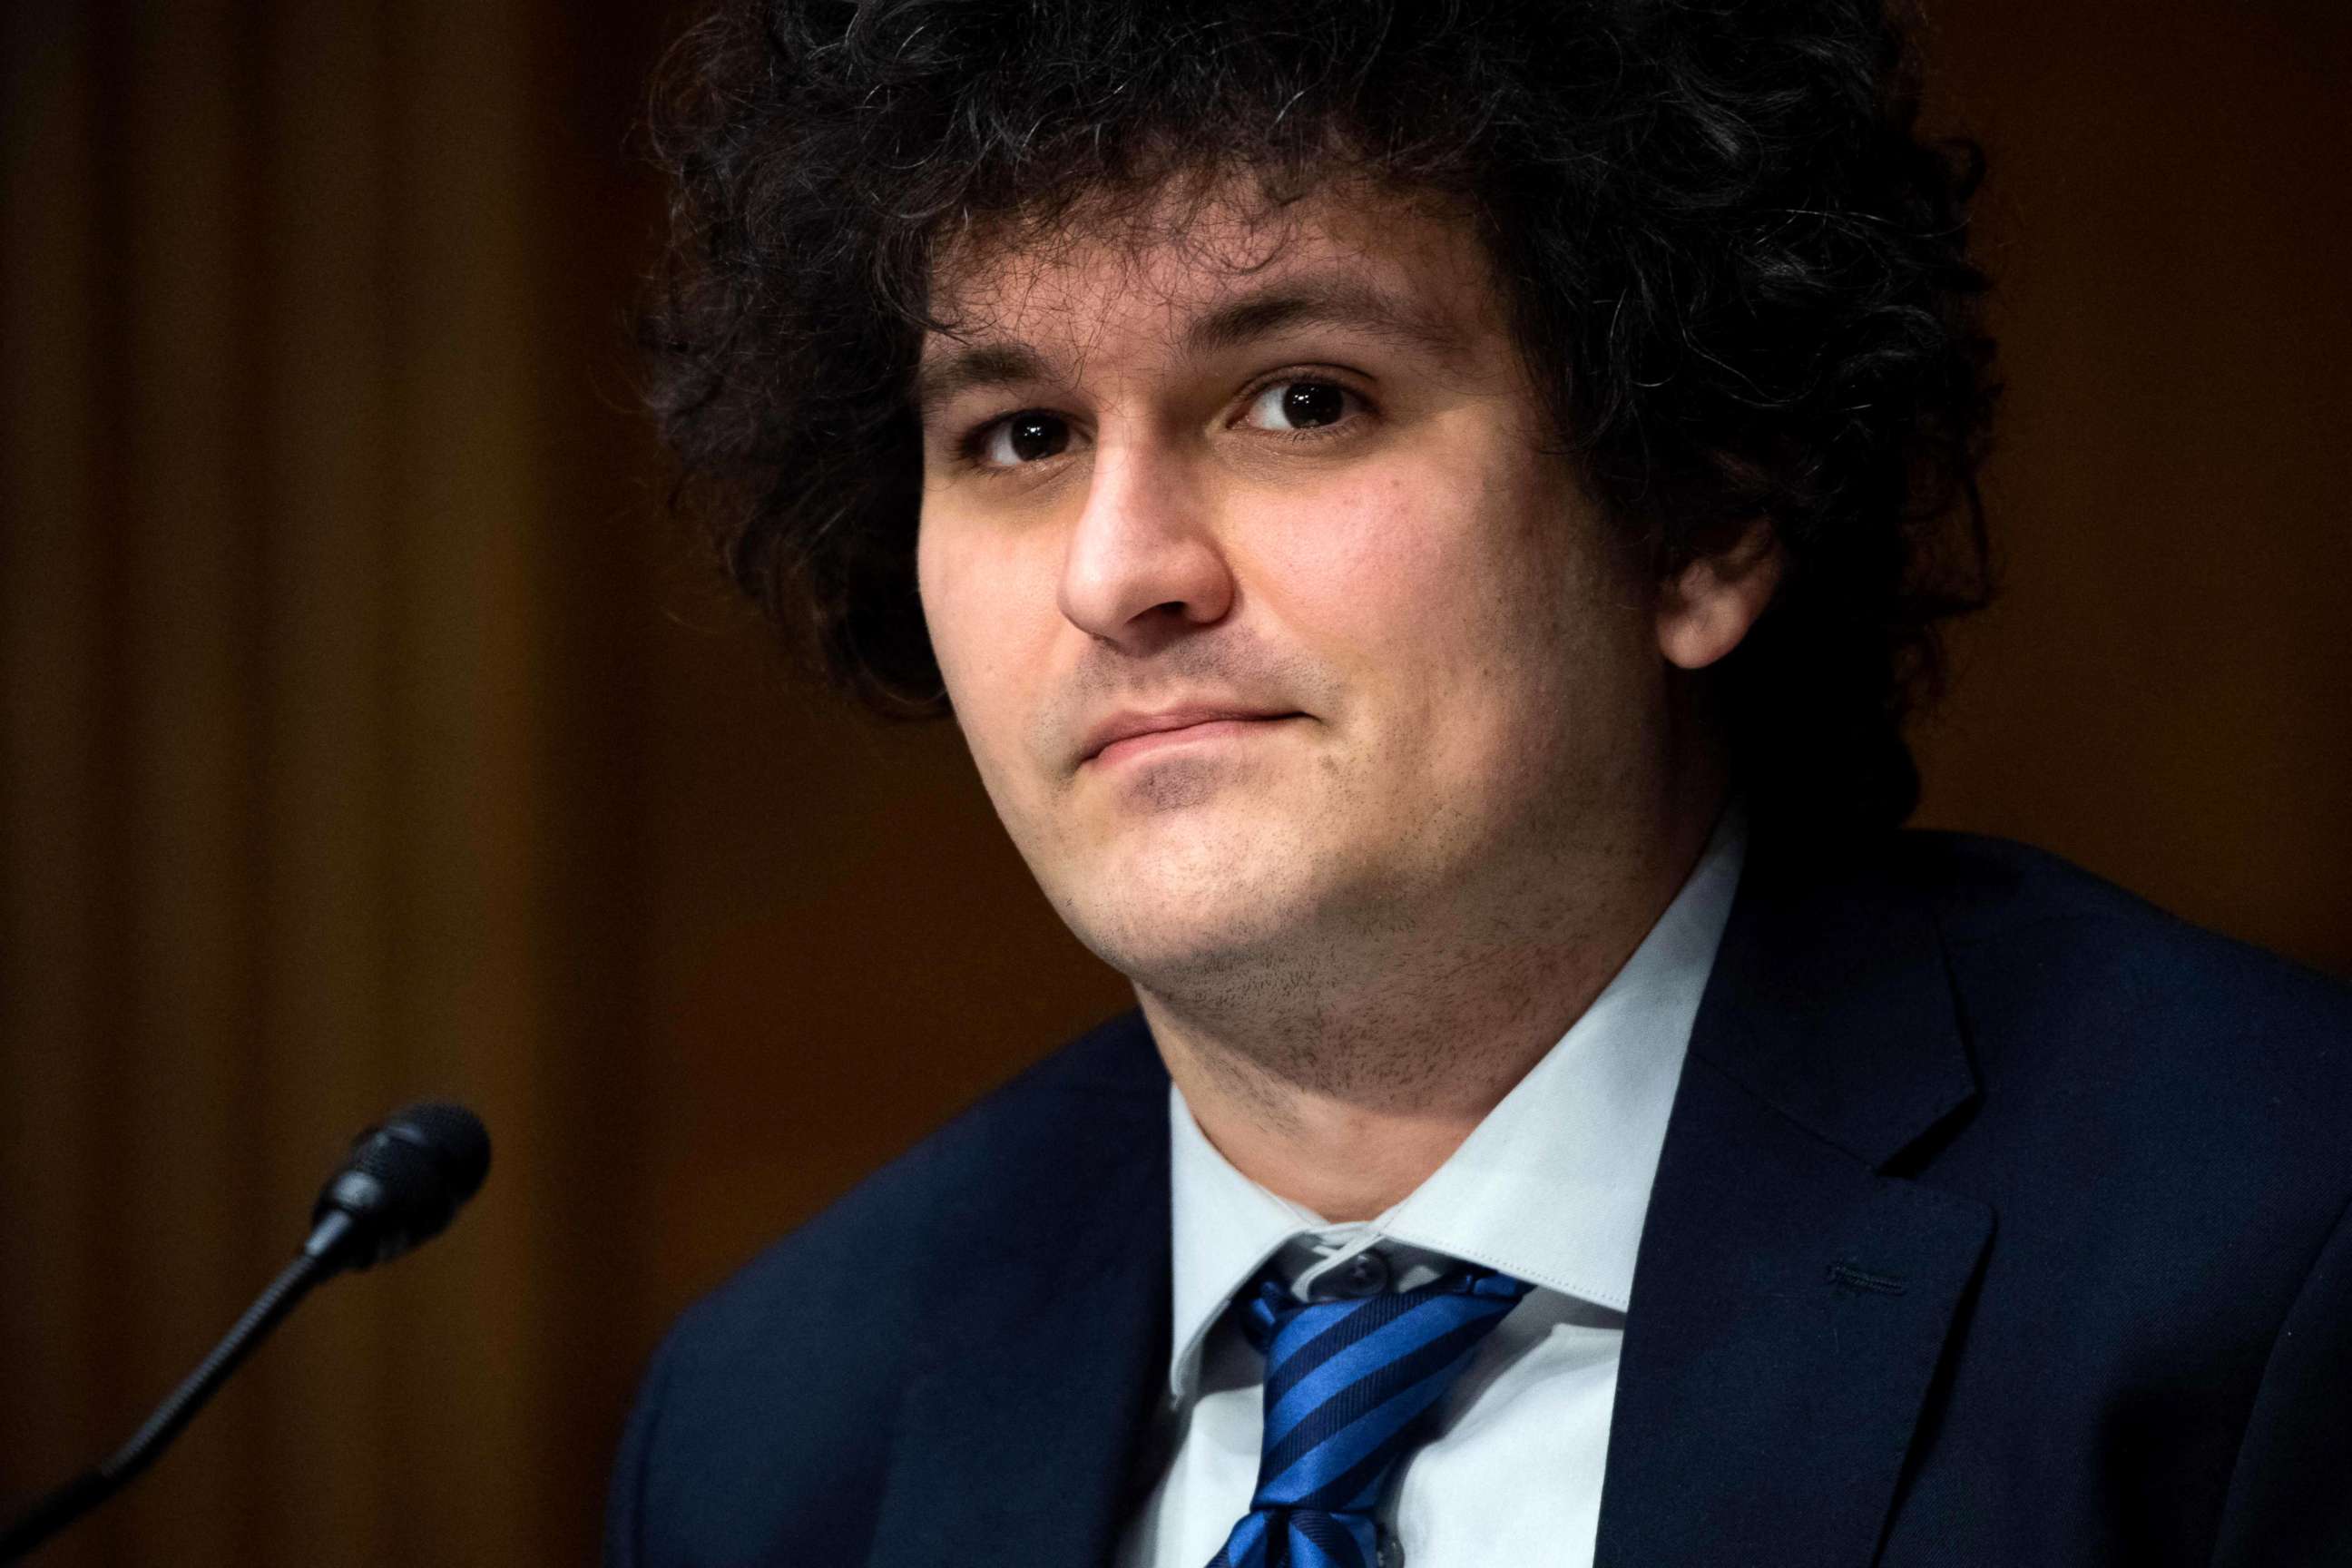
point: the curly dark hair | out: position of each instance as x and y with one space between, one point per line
1738 273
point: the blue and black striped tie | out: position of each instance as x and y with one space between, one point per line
1346 1385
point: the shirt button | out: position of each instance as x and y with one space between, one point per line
1391 1552
1366 1274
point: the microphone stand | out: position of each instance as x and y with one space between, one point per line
403 1181
102 1480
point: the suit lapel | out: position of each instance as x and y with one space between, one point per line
1790 1300
1016 1436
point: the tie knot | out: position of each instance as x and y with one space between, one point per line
1346 1382
1270 1312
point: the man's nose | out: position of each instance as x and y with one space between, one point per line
1144 564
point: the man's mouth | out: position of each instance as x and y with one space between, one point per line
1127 735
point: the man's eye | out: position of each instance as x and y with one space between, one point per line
1027 437
1300 405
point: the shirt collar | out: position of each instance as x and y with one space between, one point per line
1550 1187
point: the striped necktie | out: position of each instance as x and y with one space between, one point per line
1346 1385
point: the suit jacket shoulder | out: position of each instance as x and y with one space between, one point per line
2132 1030
763 1430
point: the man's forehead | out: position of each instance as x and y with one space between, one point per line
1218 276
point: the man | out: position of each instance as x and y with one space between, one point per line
1430 519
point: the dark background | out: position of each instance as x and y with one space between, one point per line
370 734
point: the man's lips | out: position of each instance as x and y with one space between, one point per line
1123 734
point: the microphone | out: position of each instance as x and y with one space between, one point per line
400 1187
403 1181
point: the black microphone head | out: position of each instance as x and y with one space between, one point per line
403 1181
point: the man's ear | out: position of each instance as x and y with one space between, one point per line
1706 607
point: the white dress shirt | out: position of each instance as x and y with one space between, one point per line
1550 1187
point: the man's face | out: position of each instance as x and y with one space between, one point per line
1272 626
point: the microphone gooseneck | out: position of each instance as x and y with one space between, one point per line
402 1182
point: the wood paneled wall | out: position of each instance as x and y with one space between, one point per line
300 459
369 735
2163 693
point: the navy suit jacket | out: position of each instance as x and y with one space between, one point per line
2001 1220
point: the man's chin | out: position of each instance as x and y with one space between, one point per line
1194 891
1164 943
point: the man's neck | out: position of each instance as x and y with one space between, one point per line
1344 1098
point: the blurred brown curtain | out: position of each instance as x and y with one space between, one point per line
302 460
368 735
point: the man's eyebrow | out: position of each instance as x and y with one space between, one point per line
1336 301
975 365
1286 306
